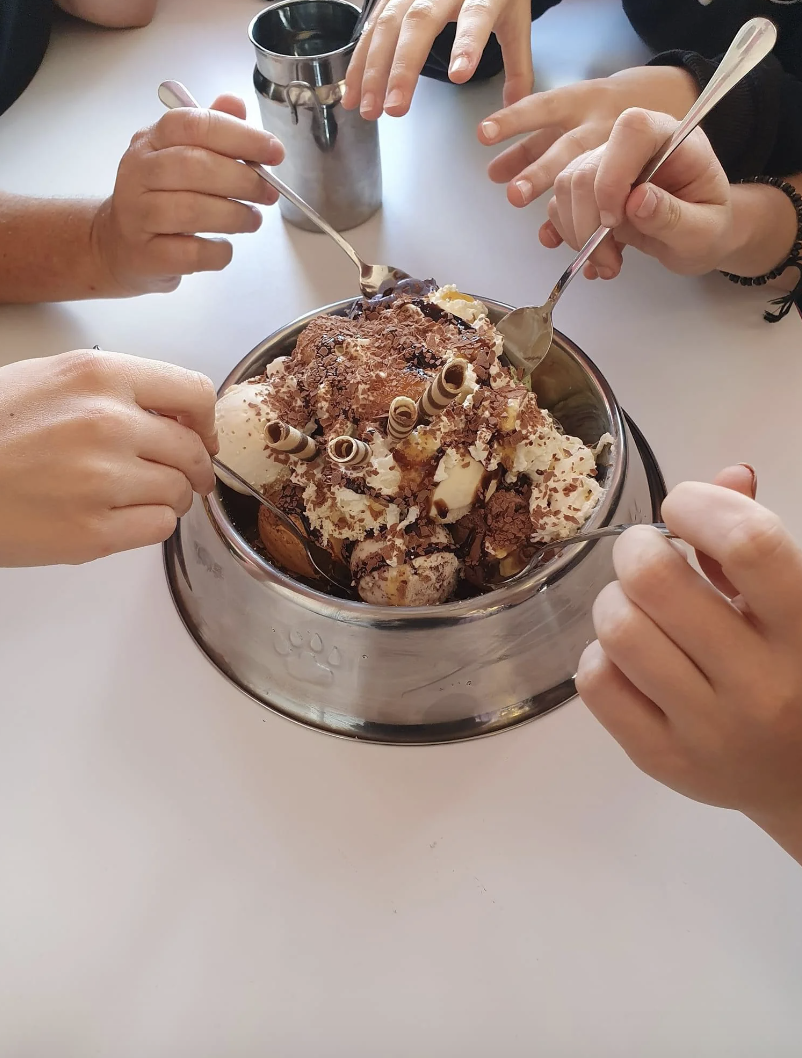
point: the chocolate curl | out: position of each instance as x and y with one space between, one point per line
348 451
284 438
401 419
445 387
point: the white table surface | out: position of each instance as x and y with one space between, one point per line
184 874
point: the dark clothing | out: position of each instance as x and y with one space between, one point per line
757 128
24 36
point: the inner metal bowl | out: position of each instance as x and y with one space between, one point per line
411 674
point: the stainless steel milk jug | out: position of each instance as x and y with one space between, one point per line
332 155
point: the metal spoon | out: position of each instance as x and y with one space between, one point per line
361 22
580 538
373 279
325 564
528 332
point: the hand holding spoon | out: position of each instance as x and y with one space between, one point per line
373 279
528 332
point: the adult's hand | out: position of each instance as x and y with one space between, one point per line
85 468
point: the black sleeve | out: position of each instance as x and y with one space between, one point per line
24 36
756 130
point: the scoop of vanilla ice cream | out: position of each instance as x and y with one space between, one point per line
451 300
563 493
240 415
389 572
459 479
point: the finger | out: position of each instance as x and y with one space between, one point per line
514 34
741 478
381 50
515 159
581 195
549 235
160 439
171 390
218 132
187 212
230 104
422 23
474 26
125 528
674 224
537 178
756 553
635 722
154 484
649 659
181 255
658 580
196 169
554 108
356 67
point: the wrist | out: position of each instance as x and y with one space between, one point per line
103 241
762 232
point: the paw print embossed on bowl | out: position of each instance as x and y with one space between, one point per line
306 657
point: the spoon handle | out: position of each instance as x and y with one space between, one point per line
752 44
173 94
609 530
285 520
361 22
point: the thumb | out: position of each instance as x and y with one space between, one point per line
741 478
656 213
230 104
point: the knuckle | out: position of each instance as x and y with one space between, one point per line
635 119
89 368
389 19
615 618
754 540
422 11
563 181
103 422
644 563
164 524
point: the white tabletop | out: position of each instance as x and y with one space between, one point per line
182 873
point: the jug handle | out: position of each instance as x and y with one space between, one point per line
324 125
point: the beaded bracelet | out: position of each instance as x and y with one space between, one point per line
793 260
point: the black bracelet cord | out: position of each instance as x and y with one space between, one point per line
794 259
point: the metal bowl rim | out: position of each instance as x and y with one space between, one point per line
311 58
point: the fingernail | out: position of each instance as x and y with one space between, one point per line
609 220
367 104
394 99
457 66
490 130
256 218
604 272
753 472
649 204
524 189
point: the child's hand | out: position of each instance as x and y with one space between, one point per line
85 469
701 687
565 122
179 177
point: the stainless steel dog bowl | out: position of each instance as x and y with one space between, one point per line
410 675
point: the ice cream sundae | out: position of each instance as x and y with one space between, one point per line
398 439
